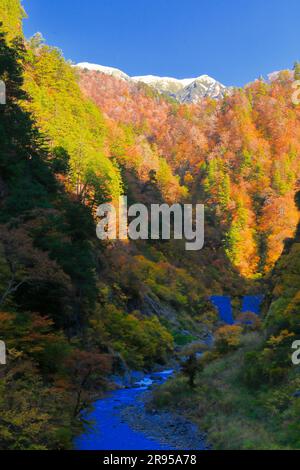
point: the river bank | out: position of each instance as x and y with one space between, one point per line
121 421
169 428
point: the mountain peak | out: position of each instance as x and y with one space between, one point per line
104 69
185 90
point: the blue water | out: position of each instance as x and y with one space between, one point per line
251 303
223 304
109 431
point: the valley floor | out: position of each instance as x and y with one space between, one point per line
122 421
234 416
167 427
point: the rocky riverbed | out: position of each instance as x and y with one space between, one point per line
169 429
121 422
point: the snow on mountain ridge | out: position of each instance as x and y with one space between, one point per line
155 78
186 90
104 69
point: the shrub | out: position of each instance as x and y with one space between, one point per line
249 321
228 338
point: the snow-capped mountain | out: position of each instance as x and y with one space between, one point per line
103 69
201 87
187 90
164 84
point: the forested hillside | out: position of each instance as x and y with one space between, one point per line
75 310
64 298
239 155
246 394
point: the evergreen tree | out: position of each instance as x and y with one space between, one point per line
190 368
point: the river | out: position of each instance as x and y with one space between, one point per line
135 429
110 431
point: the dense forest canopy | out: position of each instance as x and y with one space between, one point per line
239 155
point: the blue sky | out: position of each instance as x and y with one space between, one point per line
234 41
